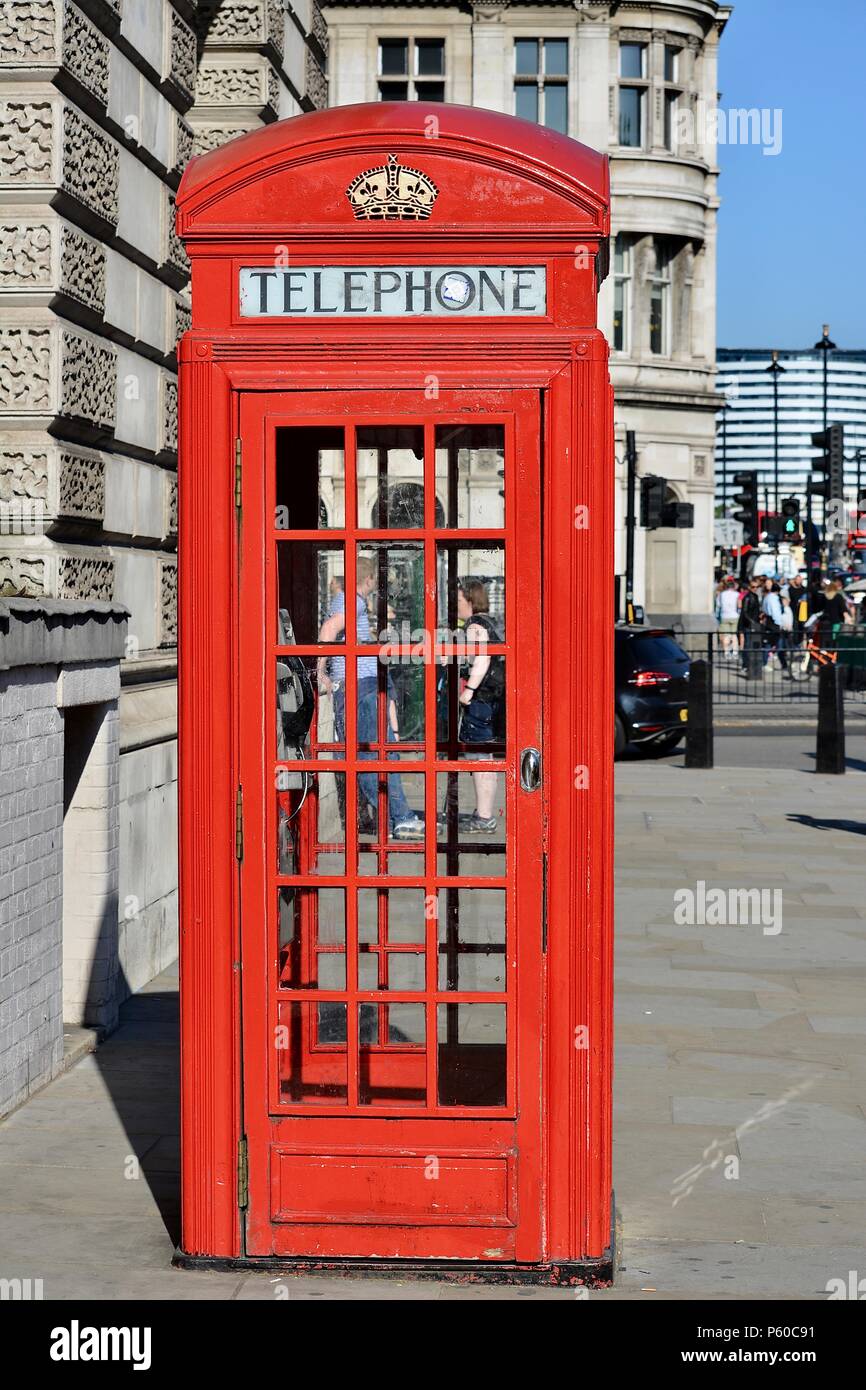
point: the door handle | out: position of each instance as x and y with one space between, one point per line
530 769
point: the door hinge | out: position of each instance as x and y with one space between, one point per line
243 1174
239 824
238 453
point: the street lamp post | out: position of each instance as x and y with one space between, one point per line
825 345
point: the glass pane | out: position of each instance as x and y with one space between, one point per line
657 318
396 916
472 939
556 57
525 57
395 799
621 254
526 101
631 59
670 108
429 91
470 475
310 1043
311 479
429 57
391 477
629 116
671 56
470 824
556 108
619 315
471 1054
311 814
379 968
309 576
311 936
390 601
393 91
471 589
393 57
392 1065
471 726
305 711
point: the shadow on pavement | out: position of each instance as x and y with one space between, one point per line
856 827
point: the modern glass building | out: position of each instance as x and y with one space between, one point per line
745 427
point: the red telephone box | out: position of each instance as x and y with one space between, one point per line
396 697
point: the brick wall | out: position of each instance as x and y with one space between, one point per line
31 912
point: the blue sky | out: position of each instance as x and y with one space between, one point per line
792 226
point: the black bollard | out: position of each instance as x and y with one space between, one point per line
699 734
830 750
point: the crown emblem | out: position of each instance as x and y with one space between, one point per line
392 193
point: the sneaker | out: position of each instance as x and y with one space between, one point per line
479 825
412 828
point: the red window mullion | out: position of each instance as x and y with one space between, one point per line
350 866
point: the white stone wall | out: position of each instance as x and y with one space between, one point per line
31 863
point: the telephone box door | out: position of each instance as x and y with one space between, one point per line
391 880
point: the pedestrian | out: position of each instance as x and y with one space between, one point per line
771 610
482 698
405 824
728 612
834 614
750 630
786 635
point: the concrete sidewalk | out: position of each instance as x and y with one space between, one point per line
732 1044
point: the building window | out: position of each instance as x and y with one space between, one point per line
660 298
632 95
621 292
411 69
671 94
541 82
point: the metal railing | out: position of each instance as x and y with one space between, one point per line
767 671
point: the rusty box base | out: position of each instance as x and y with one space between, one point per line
571 1274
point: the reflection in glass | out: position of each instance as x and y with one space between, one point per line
476 729
305 713
469 844
477 572
392 915
310 576
390 579
312 1064
311 478
391 477
311 927
471 1054
310 822
471 930
470 464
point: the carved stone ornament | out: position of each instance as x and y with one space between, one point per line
392 193
231 21
21 575
184 58
23 475
168 603
171 507
28 32
26 141
88 383
182 145
316 83
182 319
235 84
169 413
90 165
82 268
85 52
85 577
276 25
67 482
175 253
25 255
25 370
207 138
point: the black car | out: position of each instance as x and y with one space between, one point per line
651 678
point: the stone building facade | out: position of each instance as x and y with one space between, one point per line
633 79
102 102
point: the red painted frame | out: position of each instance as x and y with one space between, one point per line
509 193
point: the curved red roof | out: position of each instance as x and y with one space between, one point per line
564 166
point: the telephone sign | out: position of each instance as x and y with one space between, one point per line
320 291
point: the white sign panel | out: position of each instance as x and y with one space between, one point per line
728 533
386 291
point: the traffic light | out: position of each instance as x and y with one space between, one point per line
791 520
652 501
747 500
831 442
678 514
